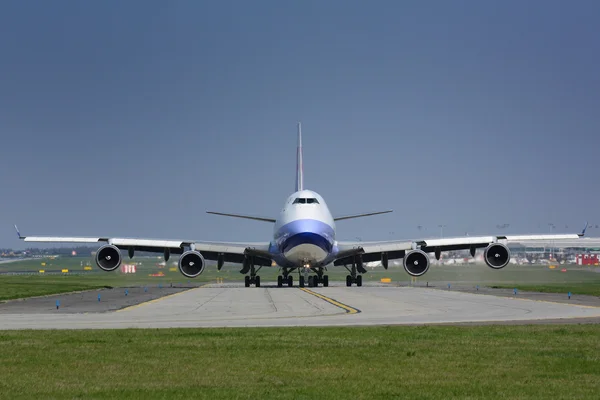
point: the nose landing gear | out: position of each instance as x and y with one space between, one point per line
313 280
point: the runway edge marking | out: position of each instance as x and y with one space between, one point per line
345 307
158 299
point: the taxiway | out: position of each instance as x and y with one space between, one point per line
235 306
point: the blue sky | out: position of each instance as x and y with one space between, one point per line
134 118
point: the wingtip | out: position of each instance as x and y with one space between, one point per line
584 229
18 233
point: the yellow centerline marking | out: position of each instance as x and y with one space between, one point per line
158 299
347 308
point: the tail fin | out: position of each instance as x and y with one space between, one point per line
299 167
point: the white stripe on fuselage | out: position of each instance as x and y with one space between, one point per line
293 212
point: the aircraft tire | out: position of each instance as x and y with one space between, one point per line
247 281
279 281
359 280
257 281
348 280
325 280
290 281
301 281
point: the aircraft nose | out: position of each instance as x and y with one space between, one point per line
306 238
312 232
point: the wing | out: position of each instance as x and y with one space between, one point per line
253 217
234 252
385 250
343 217
584 242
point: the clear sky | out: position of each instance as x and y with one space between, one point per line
132 118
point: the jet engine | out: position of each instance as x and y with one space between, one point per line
416 262
496 255
108 257
191 263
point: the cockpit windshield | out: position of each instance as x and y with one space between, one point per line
304 200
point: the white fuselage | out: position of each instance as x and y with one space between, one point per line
304 233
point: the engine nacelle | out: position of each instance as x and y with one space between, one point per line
191 263
496 255
416 262
108 257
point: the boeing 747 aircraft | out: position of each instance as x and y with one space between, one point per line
304 240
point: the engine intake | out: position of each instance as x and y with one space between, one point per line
416 262
496 255
108 257
191 263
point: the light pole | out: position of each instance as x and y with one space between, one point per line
441 230
551 225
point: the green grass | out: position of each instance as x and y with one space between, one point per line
587 288
16 287
35 284
499 362
579 280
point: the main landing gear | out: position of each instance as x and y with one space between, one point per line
253 279
286 278
354 277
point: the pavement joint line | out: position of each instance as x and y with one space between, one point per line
158 299
345 307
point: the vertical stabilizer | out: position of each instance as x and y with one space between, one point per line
299 167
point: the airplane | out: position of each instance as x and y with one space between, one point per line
304 240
